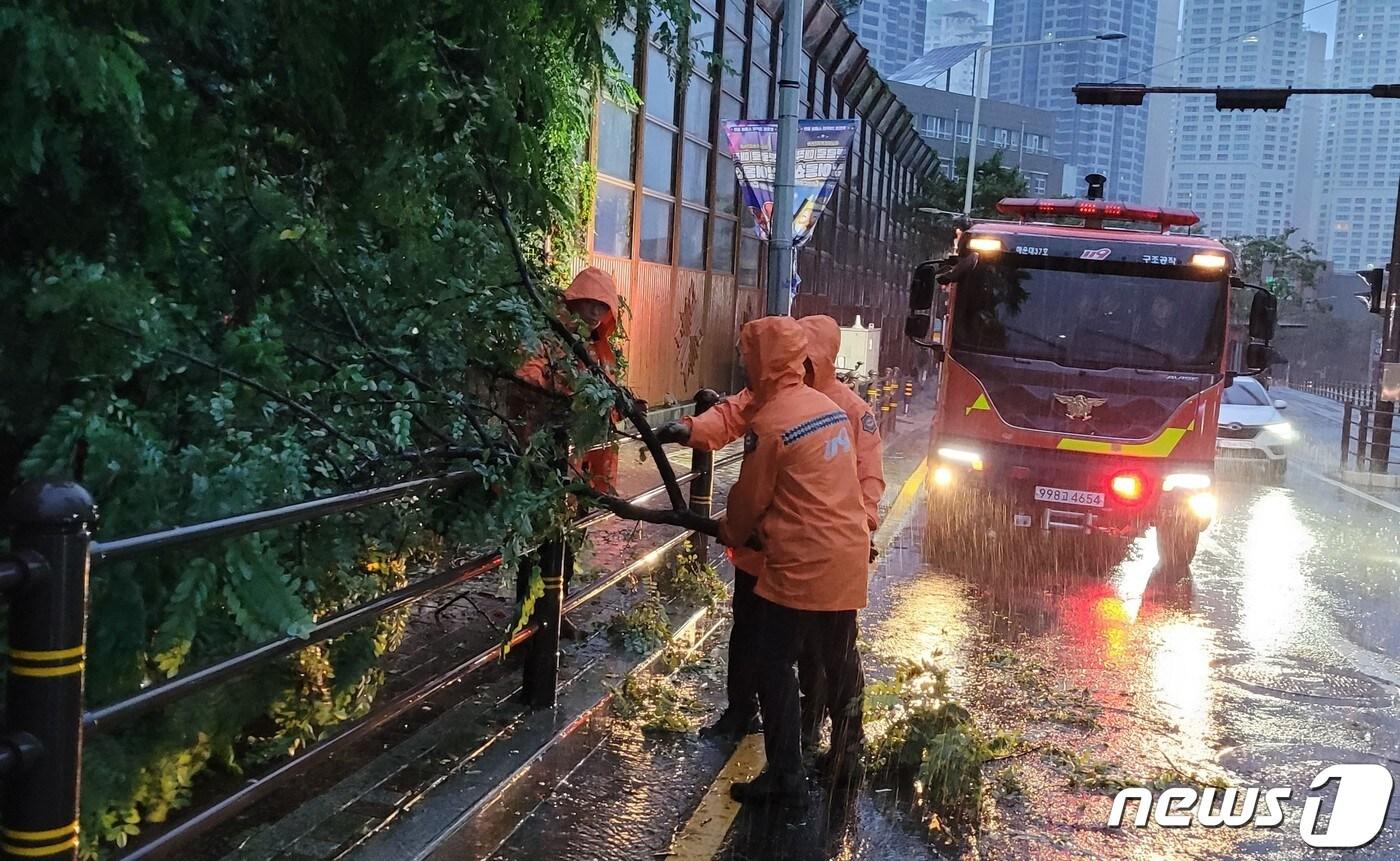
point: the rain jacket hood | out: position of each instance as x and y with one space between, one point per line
823 343
773 349
593 283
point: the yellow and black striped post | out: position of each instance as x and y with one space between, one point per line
702 487
50 524
542 662
908 393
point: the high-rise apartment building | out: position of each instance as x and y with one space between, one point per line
958 22
892 30
1108 140
1238 169
1360 162
1161 109
1314 109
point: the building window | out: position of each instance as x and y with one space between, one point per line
656 229
660 89
658 153
695 172
748 259
612 220
623 43
698 98
723 257
692 236
615 150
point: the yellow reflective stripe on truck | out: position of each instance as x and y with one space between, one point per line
1162 446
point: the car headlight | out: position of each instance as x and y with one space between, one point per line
1281 430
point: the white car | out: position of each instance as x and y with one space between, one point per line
1252 427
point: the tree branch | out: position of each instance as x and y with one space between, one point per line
285 400
673 517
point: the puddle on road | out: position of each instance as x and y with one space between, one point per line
1247 671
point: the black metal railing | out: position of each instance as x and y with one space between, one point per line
1366 439
1345 392
45 579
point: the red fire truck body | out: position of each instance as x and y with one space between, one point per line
1082 371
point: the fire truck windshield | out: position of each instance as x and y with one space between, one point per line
1095 315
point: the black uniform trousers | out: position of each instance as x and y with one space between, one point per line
829 638
745 641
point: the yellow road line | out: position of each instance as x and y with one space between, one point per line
903 504
703 834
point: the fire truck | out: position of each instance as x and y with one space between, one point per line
1083 349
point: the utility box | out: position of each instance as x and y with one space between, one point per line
860 350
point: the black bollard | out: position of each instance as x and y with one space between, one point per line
50 524
702 487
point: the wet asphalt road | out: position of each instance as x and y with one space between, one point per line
1277 656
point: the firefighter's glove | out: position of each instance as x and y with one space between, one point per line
674 432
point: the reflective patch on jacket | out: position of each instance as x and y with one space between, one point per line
813 425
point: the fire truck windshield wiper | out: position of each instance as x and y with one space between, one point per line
1015 330
1165 357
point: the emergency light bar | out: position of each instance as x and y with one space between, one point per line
1097 211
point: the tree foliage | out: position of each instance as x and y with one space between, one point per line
992 182
252 253
1288 268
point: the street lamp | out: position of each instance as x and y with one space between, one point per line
977 76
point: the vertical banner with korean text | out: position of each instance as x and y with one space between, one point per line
821 160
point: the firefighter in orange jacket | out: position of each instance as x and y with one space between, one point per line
798 495
592 297
728 421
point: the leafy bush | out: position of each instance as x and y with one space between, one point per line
657 704
693 582
921 736
641 628
254 252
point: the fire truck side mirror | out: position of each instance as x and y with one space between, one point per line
1263 316
1258 357
924 288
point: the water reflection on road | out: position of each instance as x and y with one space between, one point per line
1276 656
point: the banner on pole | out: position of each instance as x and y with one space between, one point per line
821 160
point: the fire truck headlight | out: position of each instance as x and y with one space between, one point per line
942 477
1185 481
963 456
984 244
1210 261
1203 505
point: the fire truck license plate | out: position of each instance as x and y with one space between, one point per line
1068 497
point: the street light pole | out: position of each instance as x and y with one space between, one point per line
781 260
977 76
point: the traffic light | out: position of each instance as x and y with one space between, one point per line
1375 279
1251 99
1110 94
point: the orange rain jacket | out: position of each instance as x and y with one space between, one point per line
797 489
592 283
726 421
